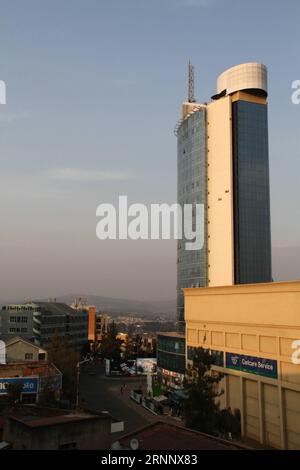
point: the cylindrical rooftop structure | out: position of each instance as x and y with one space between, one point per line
249 76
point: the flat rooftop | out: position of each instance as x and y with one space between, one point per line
33 416
171 334
47 308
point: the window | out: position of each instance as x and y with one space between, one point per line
28 356
251 193
192 189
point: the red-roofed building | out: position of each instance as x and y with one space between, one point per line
35 378
167 436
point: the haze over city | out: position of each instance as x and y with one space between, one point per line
93 96
150 237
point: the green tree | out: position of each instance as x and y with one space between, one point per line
65 358
229 422
47 396
201 407
110 345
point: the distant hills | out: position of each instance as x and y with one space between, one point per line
286 266
166 308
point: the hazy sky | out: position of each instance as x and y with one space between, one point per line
94 89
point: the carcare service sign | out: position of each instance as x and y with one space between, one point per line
252 365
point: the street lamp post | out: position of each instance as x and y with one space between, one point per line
137 353
79 363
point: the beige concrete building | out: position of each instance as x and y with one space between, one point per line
251 330
20 350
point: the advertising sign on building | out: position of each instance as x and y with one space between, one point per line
252 365
146 365
29 384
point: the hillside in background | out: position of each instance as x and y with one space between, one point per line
286 266
166 309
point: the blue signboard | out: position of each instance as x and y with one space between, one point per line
252 365
29 384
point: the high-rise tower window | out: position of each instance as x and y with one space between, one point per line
251 193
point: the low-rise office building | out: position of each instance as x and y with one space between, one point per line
171 359
97 326
252 332
17 319
38 321
101 327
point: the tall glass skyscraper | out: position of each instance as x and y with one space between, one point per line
223 163
191 189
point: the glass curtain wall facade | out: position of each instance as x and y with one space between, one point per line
251 193
191 189
171 353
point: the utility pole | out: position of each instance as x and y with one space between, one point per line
137 353
79 363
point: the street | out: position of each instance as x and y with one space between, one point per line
103 393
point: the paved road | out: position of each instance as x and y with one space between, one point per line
104 394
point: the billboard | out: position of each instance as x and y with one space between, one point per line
146 365
141 366
252 365
29 384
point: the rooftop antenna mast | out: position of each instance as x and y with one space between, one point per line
191 89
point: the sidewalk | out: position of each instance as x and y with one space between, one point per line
146 414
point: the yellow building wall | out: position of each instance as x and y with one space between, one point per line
220 193
259 320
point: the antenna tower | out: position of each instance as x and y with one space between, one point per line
191 87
